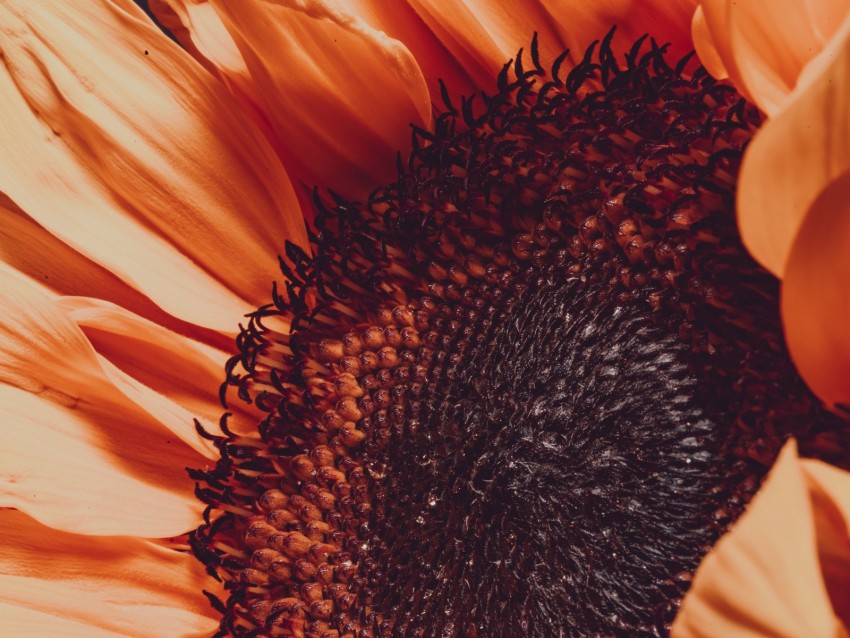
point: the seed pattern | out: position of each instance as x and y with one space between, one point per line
615 183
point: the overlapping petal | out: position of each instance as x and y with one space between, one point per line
783 569
483 35
400 20
792 58
73 586
115 141
579 23
797 153
200 31
86 447
815 297
184 372
338 94
93 469
34 251
764 45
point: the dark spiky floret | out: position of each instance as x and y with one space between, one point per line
524 388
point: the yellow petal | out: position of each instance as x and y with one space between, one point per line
764 45
339 94
795 155
118 143
764 578
815 300
67 585
81 450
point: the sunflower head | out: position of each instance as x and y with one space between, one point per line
525 387
521 388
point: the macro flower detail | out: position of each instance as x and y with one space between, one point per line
576 365
526 386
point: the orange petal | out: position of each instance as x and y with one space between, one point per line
339 94
765 578
815 302
93 469
765 44
58 584
400 21
711 30
171 377
43 350
795 155
706 47
201 32
115 141
30 249
483 36
829 489
580 23
78 454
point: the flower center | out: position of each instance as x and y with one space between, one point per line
523 389
561 475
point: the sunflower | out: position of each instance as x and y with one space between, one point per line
149 187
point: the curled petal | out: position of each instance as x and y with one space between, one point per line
796 154
815 300
706 46
773 574
82 451
93 469
44 350
764 45
171 377
117 142
200 31
338 93
32 250
59 584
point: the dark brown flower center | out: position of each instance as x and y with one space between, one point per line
525 387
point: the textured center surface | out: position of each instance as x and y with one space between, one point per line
562 475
